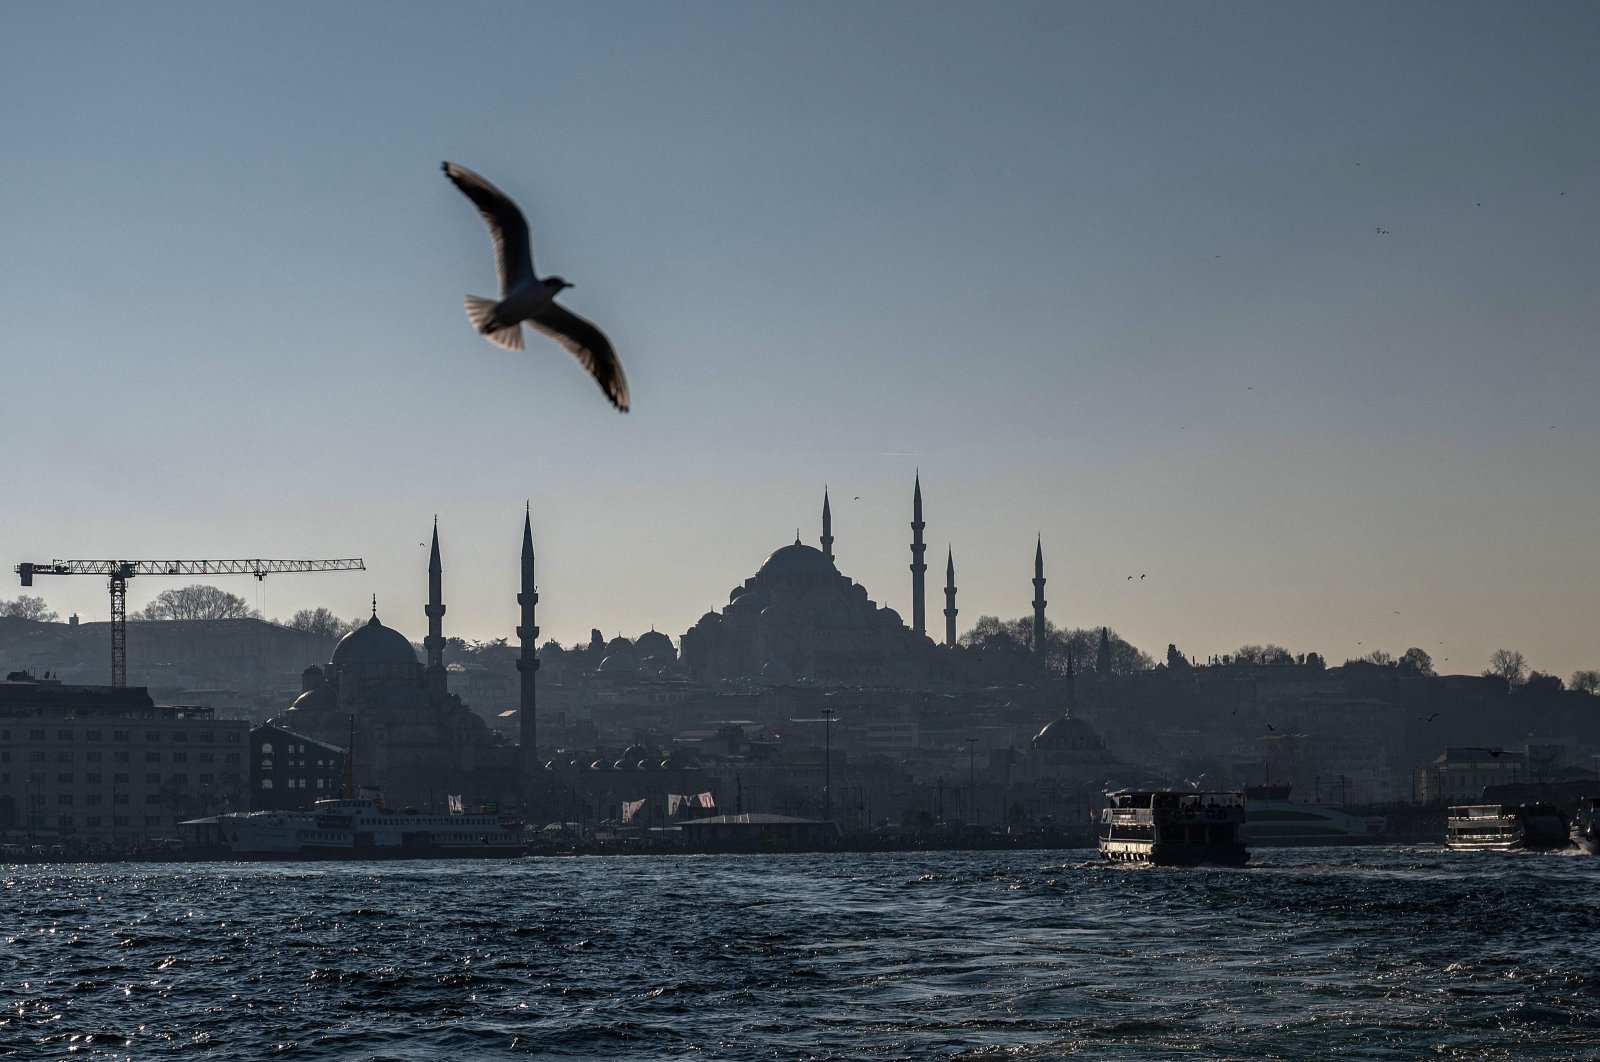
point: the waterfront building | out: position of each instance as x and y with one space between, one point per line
290 771
98 765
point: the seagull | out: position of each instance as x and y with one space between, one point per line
524 296
1429 718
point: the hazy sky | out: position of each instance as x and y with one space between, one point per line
1290 307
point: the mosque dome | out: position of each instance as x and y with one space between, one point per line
1067 733
797 561
619 644
622 663
373 643
318 699
654 643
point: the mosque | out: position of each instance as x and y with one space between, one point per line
410 735
799 619
797 623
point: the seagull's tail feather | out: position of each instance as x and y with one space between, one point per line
480 311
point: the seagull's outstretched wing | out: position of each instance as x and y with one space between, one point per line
589 345
513 259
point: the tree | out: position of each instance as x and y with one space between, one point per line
321 621
28 608
1540 683
1585 681
1508 664
1081 644
1416 662
1263 654
198 602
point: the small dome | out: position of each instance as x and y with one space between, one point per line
319 698
1068 733
619 644
373 643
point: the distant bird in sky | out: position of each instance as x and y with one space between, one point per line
1429 718
524 296
1130 577
1141 577
1271 727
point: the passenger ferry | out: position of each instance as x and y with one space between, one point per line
1272 820
363 828
1505 827
1170 827
1586 825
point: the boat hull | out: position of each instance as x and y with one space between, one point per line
1161 854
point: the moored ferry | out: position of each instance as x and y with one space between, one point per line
1505 827
1586 825
363 828
1271 819
1169 827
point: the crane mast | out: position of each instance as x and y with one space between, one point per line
118 572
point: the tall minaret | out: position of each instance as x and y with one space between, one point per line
1038 599
949 597
919 617
434 642
827 527
527 659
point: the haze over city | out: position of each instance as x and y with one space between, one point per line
1288 309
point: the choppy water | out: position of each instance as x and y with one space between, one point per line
1360 953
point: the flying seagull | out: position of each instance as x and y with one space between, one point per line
525 296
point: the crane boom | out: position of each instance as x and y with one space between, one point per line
258 568
118 572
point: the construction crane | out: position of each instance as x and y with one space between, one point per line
120 571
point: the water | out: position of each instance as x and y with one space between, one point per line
1362 953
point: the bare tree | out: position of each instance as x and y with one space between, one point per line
28 608
1585 681
198 602
1263 654
1508 664
321 621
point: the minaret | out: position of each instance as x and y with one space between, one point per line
434 642
827 527
527 659
949 597
919 617
1038 599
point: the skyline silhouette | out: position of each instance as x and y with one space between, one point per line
1290 310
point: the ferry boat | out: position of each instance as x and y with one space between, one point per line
1272 820
1170 827
363 828
1505 827
1586 825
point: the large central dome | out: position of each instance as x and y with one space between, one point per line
798 559
373 644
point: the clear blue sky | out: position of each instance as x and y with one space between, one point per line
1112 274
